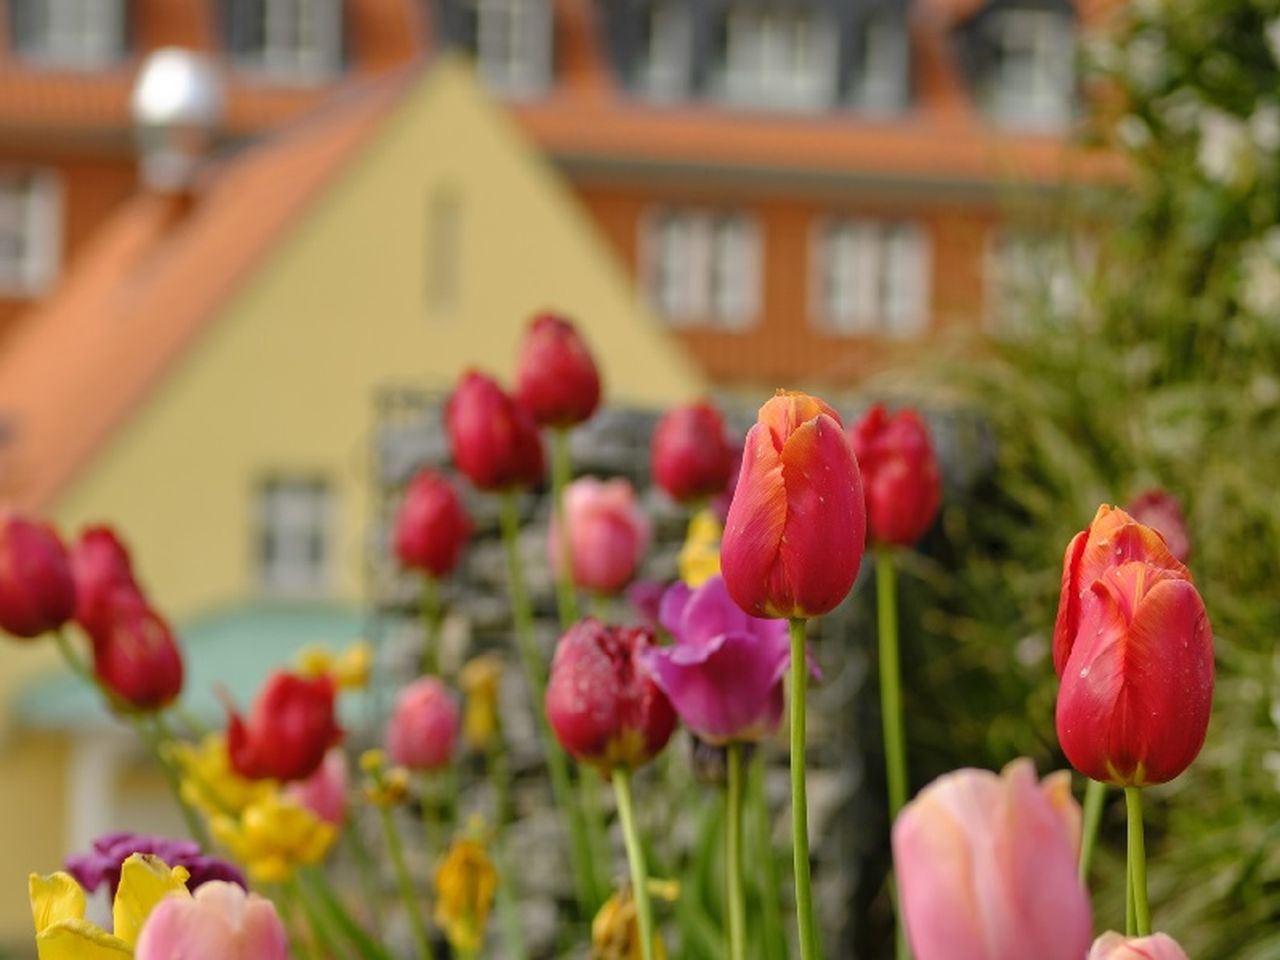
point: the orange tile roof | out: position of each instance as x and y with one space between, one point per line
151 281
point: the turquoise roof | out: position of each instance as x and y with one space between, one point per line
233 649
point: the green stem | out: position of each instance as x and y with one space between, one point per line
561 474
412 904
323 940
1130 917
1138 861
775 945
1095 795
733 854
300 933
508 914
557 764
635 857
364 866
429 608
799 799
315 881
895 751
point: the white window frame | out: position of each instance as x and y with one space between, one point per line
709 273
1032 274
883 277
882 83
519 66
31 205
778 58
293 514
1036 89
78 34
286 52
664 69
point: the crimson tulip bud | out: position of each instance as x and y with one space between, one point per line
494 438
899 475
101 567
135 655
1161 511
424 726
1134 649
37 593
602 703
690 456
432 526
556 377
291 728
796 529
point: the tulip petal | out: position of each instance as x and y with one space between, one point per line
54 898
1114 946
753 530
671 607
145 880
709 613
80 940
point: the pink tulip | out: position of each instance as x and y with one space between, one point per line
218 922
608 533
324 793
987 868
1112 946
424 726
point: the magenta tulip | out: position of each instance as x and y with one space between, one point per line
557 378
987 868
608 534
494 438
424 726
37 593
1112 946
218 922
432 526
102 569
690 457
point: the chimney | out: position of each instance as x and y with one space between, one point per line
177 106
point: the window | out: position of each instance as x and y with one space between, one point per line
872 278
512 43
666 54
1033 276
294 545
704 268
778 57
880 81
30 226
444 253
297 39
69 33
1032 77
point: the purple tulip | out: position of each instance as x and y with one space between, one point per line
724 672
111 850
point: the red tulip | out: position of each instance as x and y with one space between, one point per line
556 376
432 526
424 727
690 455
1161 511
899 475
102 568
1134 649
608 534
135 655
604 707
796 529
494 438
37 594
291 728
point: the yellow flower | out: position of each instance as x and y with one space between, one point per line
615 932
350 669
465 885
699 558
209 783
479 681
273 836
384 788
57 907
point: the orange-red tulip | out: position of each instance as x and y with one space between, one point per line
796 529
1134 649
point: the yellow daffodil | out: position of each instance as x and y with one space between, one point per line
209 783
384 788
699 558
465 885
479 681
349 669
615 931
58 902
273 836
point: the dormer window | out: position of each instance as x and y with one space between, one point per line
30 217
880 75
664 60
1030 79
511 40
299 40
780 56
76 34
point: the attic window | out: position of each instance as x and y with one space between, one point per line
880 80
287 39
512 42
664 64
80 34
1031 78
30 221
778 57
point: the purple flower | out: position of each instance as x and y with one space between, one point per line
724 672
111 850
645 597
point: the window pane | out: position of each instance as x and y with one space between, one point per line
300 39
1033 77
30 219
778 58
882 73
69 33
906 281
513 44
666 56
735 271
294 542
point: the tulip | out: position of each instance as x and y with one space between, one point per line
986 867
556 376
603 705
432 526
102 568
1112 946
690 457
899 474
795 533
615 931
608 534
465 883
290 730
220 922
423 726
324 793
724 672
1137 670
273 836
1161 511
135 655
37 593
106 861
493 437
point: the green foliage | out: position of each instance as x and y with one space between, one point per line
1169 377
